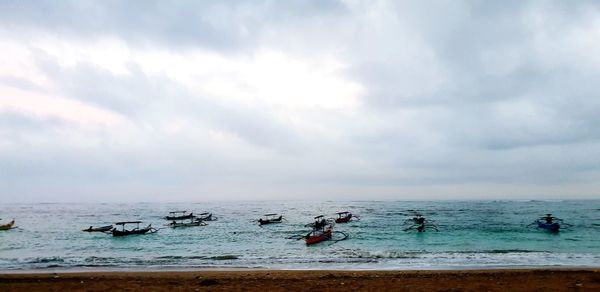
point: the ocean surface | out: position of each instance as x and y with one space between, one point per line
472 234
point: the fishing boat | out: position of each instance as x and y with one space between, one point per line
319 223
207 217
270 219
134 231
179 215
8 226
419 223
552 227
194 221
343 217
318 235
549 223
106 228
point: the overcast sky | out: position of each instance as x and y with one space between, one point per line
219 100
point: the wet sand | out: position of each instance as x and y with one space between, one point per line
278 280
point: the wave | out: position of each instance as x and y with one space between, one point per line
45 260
510 251
224 257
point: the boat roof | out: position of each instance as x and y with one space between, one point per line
345 212
173 212
273 214
205 213
319 216
128 222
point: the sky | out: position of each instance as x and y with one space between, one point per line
299 100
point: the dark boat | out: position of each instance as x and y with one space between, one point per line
135 231
270 219
319 223
207 217
175 215
343 217
99 229
194 221
552 227
419 223
8 226
549 223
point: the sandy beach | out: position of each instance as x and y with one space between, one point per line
278 280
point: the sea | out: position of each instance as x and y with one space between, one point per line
471 235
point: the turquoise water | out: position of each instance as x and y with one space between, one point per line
472 234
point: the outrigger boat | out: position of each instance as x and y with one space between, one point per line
207 217
319 223
8 226
420 223
548 223
137 230
318 235
106 228
179 215
344 217
270 219
194 221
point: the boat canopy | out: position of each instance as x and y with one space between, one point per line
128 222
206 213
342 213
274 214
174 212
320 216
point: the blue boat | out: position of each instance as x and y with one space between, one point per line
549 223
552 227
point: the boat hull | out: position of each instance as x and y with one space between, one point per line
343 220
99 229
189 224
208 217
7 226
118 233
313 239
552 227
185 217
270 221
266 222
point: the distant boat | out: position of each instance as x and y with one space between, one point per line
270 219
419 223
8 226
344 217
135 231
179 215
207 217
106 228
193 221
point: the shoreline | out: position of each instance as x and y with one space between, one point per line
555 279
84 270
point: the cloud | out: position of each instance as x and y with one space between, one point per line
298 99
220 25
